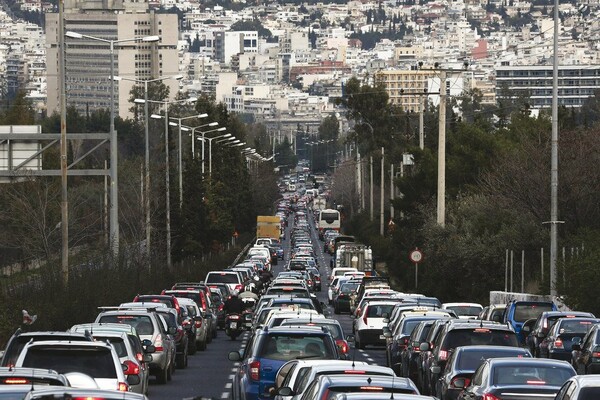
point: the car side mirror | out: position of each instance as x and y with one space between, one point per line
146 342
386 320
133 379
350 338
147 358
234 356
541 335
285 391
424 346
576 347
387 334
172 330
436 370
526 329
459 383
149 349
385 316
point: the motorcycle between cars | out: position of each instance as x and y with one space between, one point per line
233 325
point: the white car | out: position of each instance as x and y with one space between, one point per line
464 310
340 271
295 375
99 360
368 326
334 286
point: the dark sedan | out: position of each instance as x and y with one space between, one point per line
517 379
564 333
463 363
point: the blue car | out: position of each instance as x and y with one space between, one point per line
518 312
269 349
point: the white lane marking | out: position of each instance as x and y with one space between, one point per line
369 359
224 395
233 370
229 385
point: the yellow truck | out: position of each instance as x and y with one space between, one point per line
268 226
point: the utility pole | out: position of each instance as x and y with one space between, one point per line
64 203
554 162
441 183
381 202
421 127
391 191
167 188
371 200
359 181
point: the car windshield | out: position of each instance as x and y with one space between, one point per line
222 278
531 375
291 347
334 329
465 311
409 326
92 361
142 323
479 336
377 311
471 360
523 312
348 287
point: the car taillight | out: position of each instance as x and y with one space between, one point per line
309 282
325 395
185 323
342 345
443 356
596 354
221 306
131 368
238 287
255 370
489 396
558 343
123 387
16 381
158 345
198 323
466 380
139 357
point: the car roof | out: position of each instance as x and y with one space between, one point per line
502 361
368 380
295 329
104 327
83 393
41 373
380 396
461 305
479 348
67 343
587 380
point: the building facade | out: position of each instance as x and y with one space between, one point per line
87 61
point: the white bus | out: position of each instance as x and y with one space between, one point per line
328 220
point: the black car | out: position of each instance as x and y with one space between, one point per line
456 333
562 335
517 378
341 299
463 363
539 329
410 354
586 356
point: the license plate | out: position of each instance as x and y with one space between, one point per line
233 325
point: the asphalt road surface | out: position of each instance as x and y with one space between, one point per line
209 373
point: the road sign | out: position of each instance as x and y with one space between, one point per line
416 256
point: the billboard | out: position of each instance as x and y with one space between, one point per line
20 154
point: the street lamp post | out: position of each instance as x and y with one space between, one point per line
167 169
114 189
194 139
210 140
147 151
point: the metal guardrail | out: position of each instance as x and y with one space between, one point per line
243 252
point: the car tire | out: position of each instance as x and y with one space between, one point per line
214 333
209 337
193 347
202 345
163 376
170 372
336 310
359 343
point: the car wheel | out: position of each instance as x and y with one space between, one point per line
170 372
202 345
359 343
162 376
209 337
193 347
336 309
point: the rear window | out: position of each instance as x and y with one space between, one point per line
377 311
142 323
18 342
523 312
531 375
348 287
95 362
479 336
170 318
409 326
117 343
334 390
150 299
589 393
465 311
292 347
222 278
471 360
575 326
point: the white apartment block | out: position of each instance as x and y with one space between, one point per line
88 67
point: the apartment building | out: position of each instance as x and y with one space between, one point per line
575 83
87 61
406 88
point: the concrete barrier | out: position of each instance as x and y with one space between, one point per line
498 297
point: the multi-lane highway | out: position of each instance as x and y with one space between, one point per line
209 373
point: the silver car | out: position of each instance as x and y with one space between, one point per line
152 326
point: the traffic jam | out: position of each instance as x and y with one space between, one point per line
305 315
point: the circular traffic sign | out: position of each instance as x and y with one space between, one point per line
416 256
